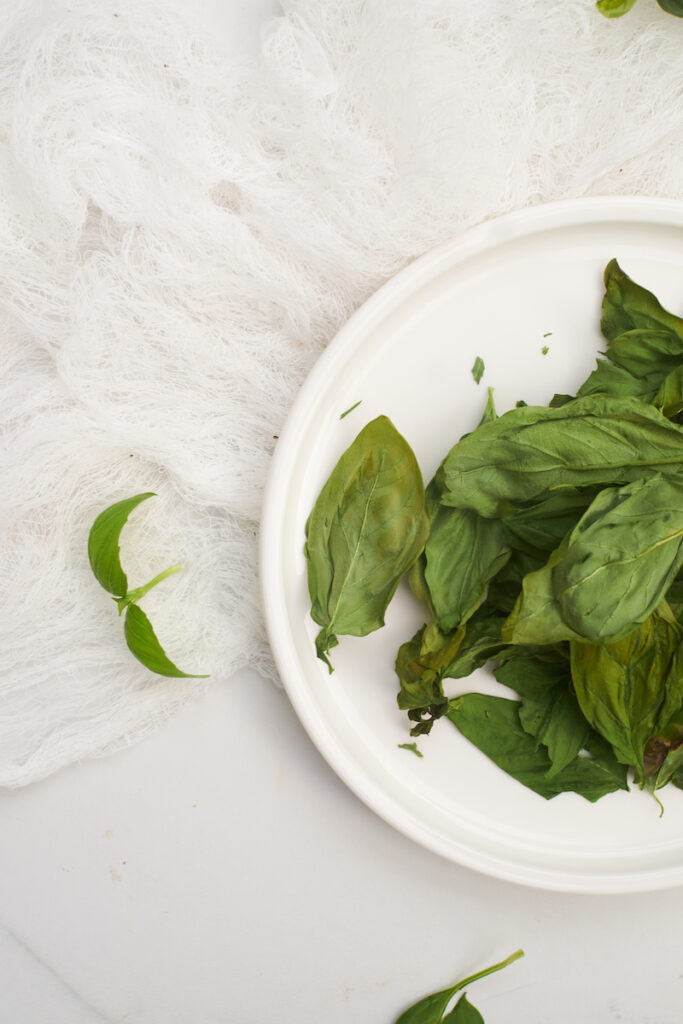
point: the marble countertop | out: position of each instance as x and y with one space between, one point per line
220 873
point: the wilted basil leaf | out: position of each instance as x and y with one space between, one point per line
610 572
103 544
366 529
549 710
628 306
630 690
143 643
492 724
526 452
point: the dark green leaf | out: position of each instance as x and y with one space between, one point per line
492 724
143 643
463 1013
526 452
430 1010
541 527
672 7
610 572
366 529
463 552
103 544
614 8
549 710
630 690
478 369
669 397
608 379
627 306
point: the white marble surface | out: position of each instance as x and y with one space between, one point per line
219 873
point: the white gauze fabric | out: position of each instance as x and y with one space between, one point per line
181 233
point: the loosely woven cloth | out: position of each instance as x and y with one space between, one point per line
181 233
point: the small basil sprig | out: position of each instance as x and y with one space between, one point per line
615 8
104 554
431 1009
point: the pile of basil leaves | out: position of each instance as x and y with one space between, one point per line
550 541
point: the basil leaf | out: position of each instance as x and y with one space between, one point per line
103 544
609 379
669 397
628 306
614 8
526 452
463 552
492 724
610 572
143 643
672 7
647 355
412 747
430 1010
366 529
549 710
542 526
463 1013
630 690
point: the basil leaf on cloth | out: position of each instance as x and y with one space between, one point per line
144 644
103 544
366 529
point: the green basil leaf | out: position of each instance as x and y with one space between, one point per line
463 552
542 526
669 397
614 8
674 7
143 643
430 1010
366 529
647 355
610 572
628 306
504 589
463 1013
609 379
526 452
103 544
549 710
630 690
537 616
492 724
621 558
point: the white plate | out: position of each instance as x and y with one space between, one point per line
496 292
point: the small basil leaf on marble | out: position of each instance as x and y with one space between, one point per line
103 544
144 644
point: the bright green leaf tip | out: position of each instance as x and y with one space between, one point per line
103 544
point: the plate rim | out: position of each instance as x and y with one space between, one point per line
479 238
